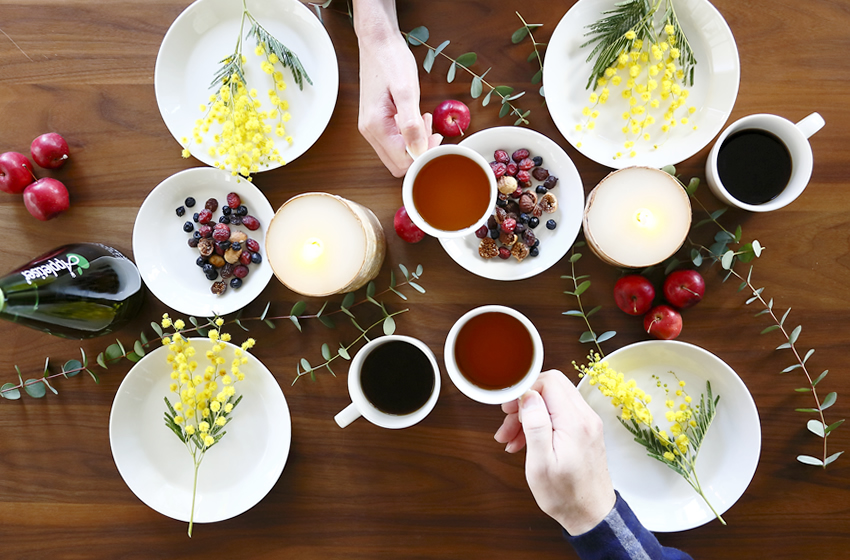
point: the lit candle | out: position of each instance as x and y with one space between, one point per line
320 244
637 217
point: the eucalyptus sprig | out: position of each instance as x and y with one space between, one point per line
527 31
722 252
420 35
37 387
580 285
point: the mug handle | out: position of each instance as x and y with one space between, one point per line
347 415
811 124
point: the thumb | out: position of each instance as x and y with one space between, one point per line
536 425
411 125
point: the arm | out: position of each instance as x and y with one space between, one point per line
389 115
567 472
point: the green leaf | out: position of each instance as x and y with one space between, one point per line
35 388
7 391
833 426
298 309
531 56
816 427
726 260
738 233
389 326
594 310
771 328
450 76
808 355
305 365
757 248
669 170
804 390
832 458
582 288
138 348
157 329
820 377
586 336
791 368
441 46
503 90
294 320
486 100
93 376
696 257
783 346
326 351
404 271
419 270
504 110
417 287
575 257
347 301
428 63
809 460
101 361
693 185
782 321
573 313
717 213
538 77
343 353
49 386
467 59
71 368
370 290
519 35
418 35
476 87
133 357
327 321
807 410
113 352
795 334
607 335
829 400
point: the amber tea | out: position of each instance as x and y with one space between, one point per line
487 363
451 192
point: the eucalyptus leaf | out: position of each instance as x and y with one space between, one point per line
795 334
326 351
476 87
138 348
607 335
7 391
450 75
295 322
418 36
829 400
538 77
428 63
419 270
573 313
404 271
467 59
820 377
504 110
157 329
348 300
327 321
298 309
441 46
594 310
726 260
582 288
389 326
832 458
35 388
809 460
587 336
575 257
343 353
833 426
486 100
305 365
816 427
417 287
757 248
71 368
519 35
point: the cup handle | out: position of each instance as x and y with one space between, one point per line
347 415
811 124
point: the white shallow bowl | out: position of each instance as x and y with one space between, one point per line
164 258
716 80
660 497
569 191
235 474
206 32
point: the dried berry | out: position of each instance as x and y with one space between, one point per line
541 189
235 220
524 178
525 164
205 230
256 258
223 220
204 216
253 245
551 224
193 242
517 193
211 204
533 222
242 210
534 251
481 232
540 173
511 169
488 248
205 247
241 271
188 226
498 168
501 156
507 238
245 257
508 225
189 202
538 161
550 182
500 215
519 155
504 253
250 222
233 200
218 288
221 232
180 211
226 271
529 238
236 283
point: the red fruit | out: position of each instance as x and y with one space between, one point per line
523 177
251 222
240 271
634 294
49 150
520 155
481 232
504 253
508 225
684 288
253 245
451 118
15 172
405 228
211 204
526 164
46 198
245 257
511 169
501 156
205 230
204 216
233 200
221 232
498 169
663 322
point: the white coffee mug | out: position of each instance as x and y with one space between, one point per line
361 406
500 345
426 157
794 136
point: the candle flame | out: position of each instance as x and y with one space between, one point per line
312 249
645 218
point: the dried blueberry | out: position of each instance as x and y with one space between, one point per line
226 210
188 226
541 189
256 258
236 246
207 268
223 220
180 210
193 242
235 220
197 235
501 202
196 217
538 161
495 233
190 202
212 275
534 251
242 210
201 261
235 283
551 224
523 218
533 222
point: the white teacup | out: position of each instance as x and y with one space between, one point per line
500 344
362 406
794 136
427 157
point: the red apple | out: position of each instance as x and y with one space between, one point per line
49 150
684 288
634 294
451 118
405 228
46 198
663 322
15 172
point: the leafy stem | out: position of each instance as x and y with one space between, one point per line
580 285
527 31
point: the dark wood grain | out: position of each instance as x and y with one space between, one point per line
445 488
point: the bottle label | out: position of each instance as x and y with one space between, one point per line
73 263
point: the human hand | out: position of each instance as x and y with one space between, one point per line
565 463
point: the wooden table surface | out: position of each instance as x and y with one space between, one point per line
444 488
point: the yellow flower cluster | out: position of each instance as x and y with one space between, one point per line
243 142
653 91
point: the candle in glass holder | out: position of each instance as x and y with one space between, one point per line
320 244
637 217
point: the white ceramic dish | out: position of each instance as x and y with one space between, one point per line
569 191
235 474
164 258
206 32
660 497
716 80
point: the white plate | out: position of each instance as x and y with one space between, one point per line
660 497
234 475
569 191
206 32
716 79
166 261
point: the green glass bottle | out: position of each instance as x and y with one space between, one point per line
81 290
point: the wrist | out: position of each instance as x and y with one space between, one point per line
375 21
586 513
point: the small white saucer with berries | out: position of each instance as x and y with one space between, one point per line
199 242
537 214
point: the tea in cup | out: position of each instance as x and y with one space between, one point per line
762 162
493 354
449 191
393 381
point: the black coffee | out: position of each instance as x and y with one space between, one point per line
754 166
397 378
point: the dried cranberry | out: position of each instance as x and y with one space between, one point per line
523 177
253 245
226 270
233 200
211 204
219 249
482 232
511 169
504 253
526 164
204 216
519 155
509 225
205 231
245 257
251 222
240 271
221 232
498 168
517 193
501 156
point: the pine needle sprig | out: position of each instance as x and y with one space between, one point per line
686 53
287 58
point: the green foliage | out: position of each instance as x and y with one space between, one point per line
580 285
419 37
527 30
